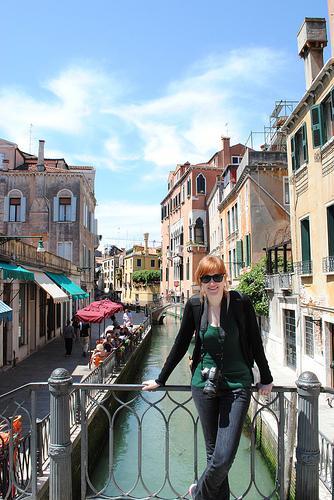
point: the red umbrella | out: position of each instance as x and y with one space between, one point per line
98 311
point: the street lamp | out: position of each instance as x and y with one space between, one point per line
40 246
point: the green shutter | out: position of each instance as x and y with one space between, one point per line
245 250
305 148
305 237
293 158
330 230
248 240
239 255
317 127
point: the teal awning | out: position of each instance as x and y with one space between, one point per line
5 311
66 284
12 271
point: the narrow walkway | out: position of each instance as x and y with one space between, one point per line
39 366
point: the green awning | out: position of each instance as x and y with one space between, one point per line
12 271
66 284
5 311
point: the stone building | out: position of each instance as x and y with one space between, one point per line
184 219
140 258
305 332
49 198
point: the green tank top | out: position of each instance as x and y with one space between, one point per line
236 373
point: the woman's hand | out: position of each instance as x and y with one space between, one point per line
264 389
150 385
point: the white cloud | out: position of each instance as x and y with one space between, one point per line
124 223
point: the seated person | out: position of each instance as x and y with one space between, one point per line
98 355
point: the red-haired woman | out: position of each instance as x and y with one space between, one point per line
227 343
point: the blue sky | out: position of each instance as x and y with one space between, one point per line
135 87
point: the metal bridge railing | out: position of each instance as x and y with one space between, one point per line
23 457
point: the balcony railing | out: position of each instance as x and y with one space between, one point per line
303 268
20 465
280 281
328 264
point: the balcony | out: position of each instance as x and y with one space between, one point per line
328 265
304 268
278 282
178 250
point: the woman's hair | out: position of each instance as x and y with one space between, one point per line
209 265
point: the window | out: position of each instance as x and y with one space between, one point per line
299 149
2 157
286 192
64 249
309 337
199 231
229 222
138 264
65 212
200 184
305 245
189 187
152 263
167 273
14 209
236 160
322 120
330 229
290 337
187 269
230 264
234 263
64 207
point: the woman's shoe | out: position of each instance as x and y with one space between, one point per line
191 490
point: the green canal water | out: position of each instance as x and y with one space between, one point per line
181 468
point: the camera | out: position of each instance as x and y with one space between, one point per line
212 377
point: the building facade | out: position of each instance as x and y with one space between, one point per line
184 220
307 321
140 258
51 199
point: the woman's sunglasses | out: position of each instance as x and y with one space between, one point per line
217 278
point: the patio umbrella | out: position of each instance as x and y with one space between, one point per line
97 311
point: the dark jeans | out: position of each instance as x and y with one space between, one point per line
222 419
68 346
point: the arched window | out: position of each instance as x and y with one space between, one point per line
64 206
14 207
200 184
199 231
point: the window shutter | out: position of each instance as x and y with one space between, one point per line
73 208
6 209
55 209
305 237
23 209
332 102
316 116
248 242
305 148
293 157
239 254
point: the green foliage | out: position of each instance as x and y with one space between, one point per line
146 277
253 285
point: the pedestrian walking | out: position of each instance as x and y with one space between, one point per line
84 337
127 318
68 334
77 326
227 343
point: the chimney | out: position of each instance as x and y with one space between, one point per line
146 243
312 38
226 156
40 160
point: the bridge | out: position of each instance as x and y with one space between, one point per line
159 309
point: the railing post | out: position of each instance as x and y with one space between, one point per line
307 452
39 453
60 384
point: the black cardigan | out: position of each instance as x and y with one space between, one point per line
250 337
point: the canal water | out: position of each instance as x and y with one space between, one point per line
124 471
